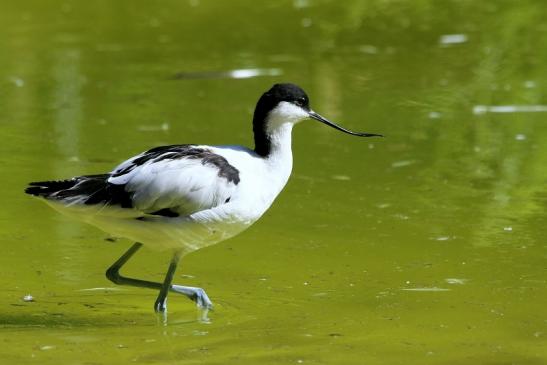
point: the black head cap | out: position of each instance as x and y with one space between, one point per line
279 92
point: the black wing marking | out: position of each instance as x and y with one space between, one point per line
189 151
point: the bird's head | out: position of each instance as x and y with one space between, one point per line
286 104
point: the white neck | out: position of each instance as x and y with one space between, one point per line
278 161
279 125
280 156
279 129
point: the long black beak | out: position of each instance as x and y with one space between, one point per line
318 117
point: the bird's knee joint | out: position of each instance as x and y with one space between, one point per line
113 275
198 294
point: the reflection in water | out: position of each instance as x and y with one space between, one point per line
449 39
482 109
455 281
67 103
244 73
17 81
68 117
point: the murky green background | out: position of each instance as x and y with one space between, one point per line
426 247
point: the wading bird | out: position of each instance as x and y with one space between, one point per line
185 197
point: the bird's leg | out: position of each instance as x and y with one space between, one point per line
113 272
161 302
198 295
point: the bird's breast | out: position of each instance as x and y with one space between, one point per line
261 180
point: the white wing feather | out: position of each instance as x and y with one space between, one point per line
183 185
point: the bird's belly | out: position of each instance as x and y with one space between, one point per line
187 234
171 233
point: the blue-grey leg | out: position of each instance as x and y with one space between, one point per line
161 302
198 295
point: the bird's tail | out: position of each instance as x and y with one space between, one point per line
45 189
78 189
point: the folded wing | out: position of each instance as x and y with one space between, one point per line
171 181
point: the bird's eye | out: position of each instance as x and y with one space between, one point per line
300 101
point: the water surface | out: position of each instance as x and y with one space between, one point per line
426 247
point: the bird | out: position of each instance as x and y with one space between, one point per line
181 198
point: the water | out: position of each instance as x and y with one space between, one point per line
426 247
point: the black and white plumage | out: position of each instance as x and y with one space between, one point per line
152 183
185 197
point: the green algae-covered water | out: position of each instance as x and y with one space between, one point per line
425 247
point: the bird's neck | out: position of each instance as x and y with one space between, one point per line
280 139
272 133
277 158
